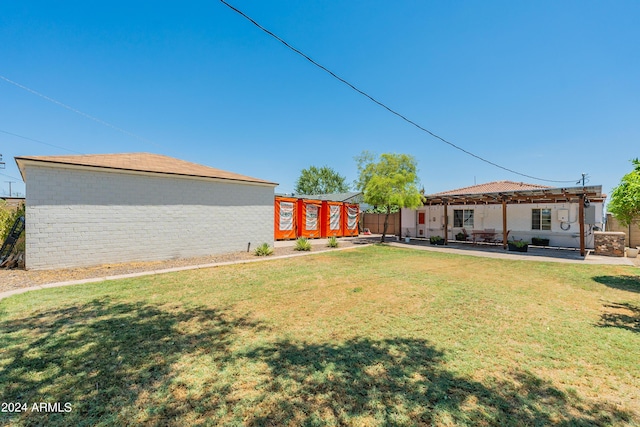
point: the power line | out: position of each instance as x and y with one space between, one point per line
88 116
381 104
12 177
39 142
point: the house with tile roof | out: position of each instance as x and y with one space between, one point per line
111 208
566 217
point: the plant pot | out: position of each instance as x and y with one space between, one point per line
437 242
407 240
515 248
539 242
632 252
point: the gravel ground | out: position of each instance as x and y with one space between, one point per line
16 279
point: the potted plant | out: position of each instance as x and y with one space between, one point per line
407 236
539 241
436 240
518 245
461 237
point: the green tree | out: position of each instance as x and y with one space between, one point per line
625 198
8 217
322 180
5 220
390 181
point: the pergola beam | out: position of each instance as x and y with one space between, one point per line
553 195
564 195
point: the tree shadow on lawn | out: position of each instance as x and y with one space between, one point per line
625 283
102 357
621 315
133 363
403 382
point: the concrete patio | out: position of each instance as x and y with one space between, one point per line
534 253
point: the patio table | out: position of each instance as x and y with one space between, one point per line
484 235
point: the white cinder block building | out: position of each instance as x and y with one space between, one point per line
111 208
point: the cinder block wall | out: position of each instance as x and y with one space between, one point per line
632 234
89 217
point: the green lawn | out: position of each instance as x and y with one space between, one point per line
370 336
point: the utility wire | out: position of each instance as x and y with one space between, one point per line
39 142
381 104
12 177
88 116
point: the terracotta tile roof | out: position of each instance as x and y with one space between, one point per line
493 187
144 162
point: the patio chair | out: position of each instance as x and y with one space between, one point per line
466 235
490 235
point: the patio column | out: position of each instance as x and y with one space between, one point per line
504 223
446 223
581 221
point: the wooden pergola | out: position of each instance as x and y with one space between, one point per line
581 195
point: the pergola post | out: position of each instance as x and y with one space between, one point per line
504 223
543 195
446 223
581 221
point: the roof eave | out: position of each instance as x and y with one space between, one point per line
23 161
548 195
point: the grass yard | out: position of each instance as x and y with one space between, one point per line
371 336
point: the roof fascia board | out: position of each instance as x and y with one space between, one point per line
38 163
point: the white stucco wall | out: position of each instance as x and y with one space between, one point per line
518 221
408 218
88 217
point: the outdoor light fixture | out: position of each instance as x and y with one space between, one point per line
586 202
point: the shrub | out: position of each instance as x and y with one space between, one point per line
333 242
518 243
263 250
5 217
302 244
8 217
435 239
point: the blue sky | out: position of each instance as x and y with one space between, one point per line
550 89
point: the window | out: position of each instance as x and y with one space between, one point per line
541 219
463 218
